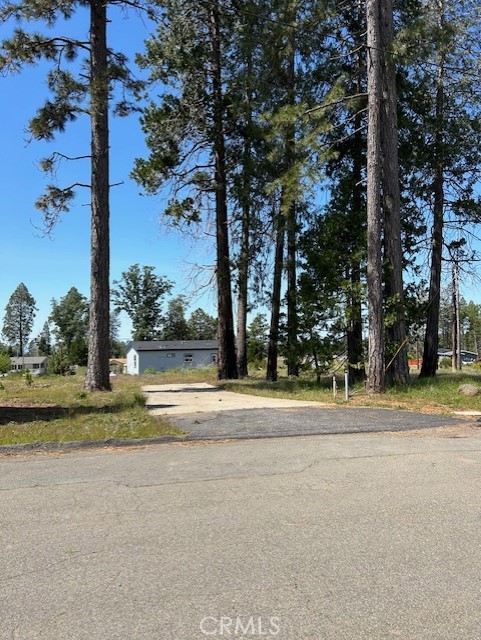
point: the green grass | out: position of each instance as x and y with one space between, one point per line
427 395
57 409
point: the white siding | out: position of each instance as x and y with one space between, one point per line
132 362
169 359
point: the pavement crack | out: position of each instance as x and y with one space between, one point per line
48 567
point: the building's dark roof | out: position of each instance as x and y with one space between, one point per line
173 345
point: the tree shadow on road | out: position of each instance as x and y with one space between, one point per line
38 413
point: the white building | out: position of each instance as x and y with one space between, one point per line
161 355
37 365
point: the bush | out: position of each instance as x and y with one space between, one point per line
28 377
139 399
59 362
4 363
150 371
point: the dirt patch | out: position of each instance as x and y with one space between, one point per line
461 430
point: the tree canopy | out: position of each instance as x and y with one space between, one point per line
140 293
70 317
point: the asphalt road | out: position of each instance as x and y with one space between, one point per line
361 536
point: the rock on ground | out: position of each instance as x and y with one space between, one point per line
469 390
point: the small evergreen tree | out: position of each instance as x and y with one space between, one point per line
202 326
19 316
176 326
44 342
257 338
70 317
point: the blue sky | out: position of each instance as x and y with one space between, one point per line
50 266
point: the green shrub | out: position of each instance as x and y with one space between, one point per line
138 399
28 377
59 362
4 363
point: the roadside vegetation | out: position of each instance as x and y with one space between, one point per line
57 409
427 395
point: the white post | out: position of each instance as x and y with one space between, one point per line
346 385
334 386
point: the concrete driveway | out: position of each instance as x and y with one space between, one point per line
205 412
200 397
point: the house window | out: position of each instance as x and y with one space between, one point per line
171 355
188 357
135 362
214 357
36 365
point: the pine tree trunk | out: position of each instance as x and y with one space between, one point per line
97 377
272 351
243 274
375 379
431 336
292 321
227 363
243 270
355 347
291 215
398 368
456 328
20 341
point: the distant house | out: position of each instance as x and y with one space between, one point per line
467 357
37 365
161 355
118 365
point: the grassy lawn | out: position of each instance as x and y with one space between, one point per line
57 409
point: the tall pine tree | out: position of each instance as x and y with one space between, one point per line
83 88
